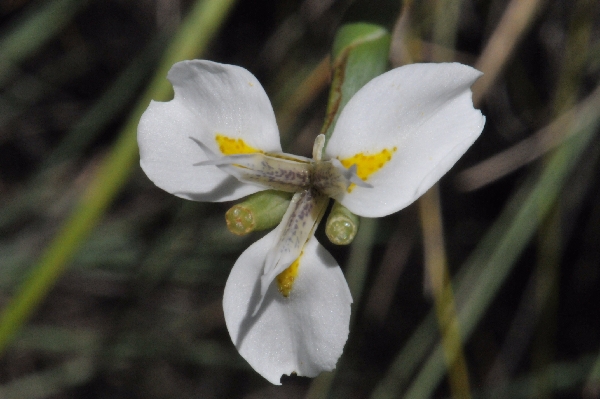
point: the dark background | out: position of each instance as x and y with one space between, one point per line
136 313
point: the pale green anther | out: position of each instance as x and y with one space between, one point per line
342 225
259 211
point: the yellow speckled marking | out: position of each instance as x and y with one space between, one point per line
230 146
366 164
285 279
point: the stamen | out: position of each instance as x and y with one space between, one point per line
296 227
259 169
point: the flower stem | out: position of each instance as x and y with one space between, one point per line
360 53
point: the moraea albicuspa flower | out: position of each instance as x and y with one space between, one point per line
286 302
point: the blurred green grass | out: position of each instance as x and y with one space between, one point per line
129 304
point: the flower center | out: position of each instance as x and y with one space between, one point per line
313 182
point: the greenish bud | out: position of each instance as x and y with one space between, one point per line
259 211
360 53
342 225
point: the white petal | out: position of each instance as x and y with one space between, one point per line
210 99
425 111
304 333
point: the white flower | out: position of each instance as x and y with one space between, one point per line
286 302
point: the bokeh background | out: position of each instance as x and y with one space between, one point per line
112 288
